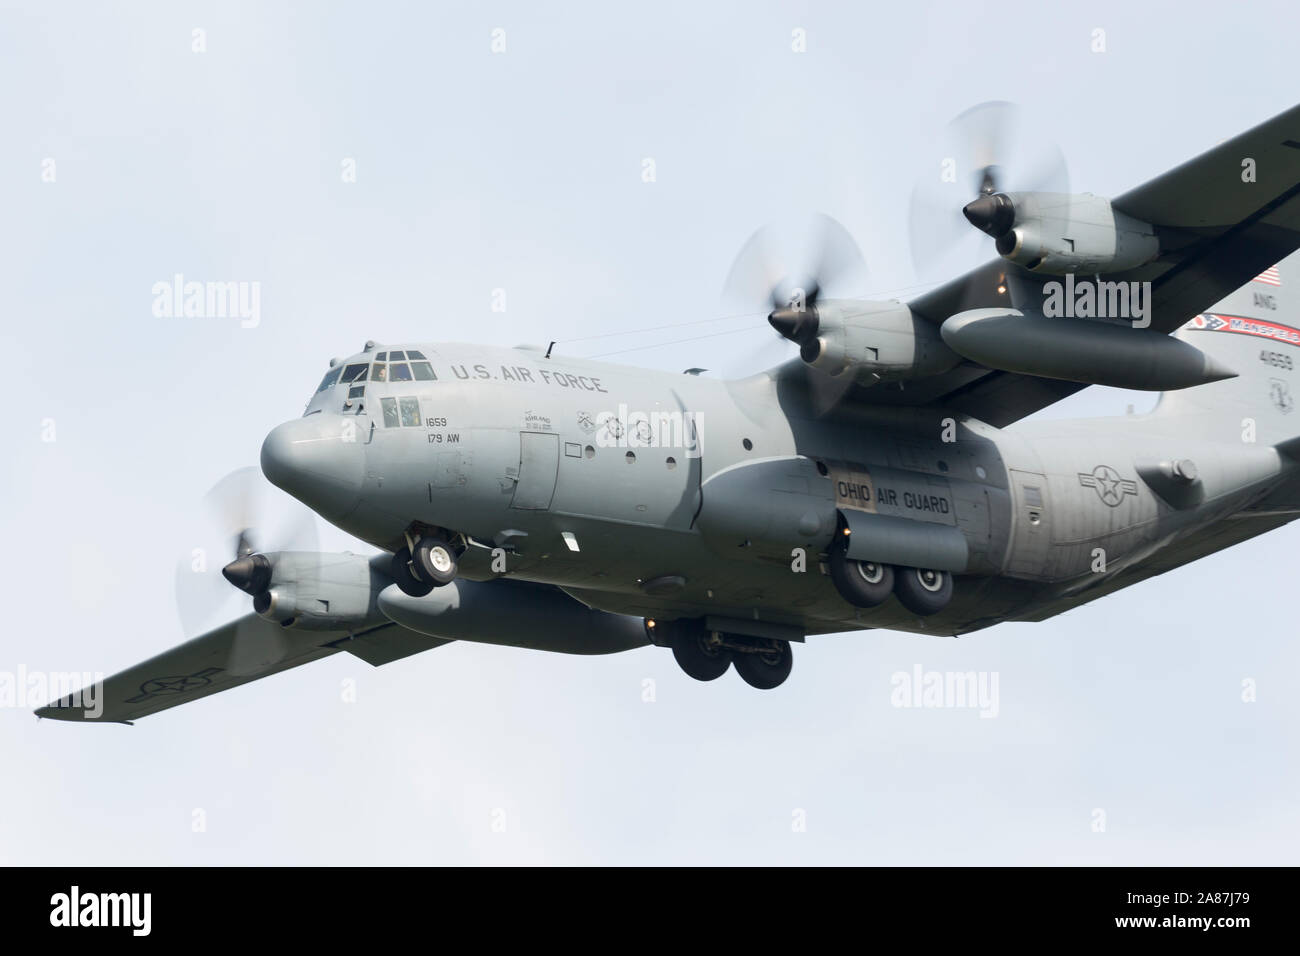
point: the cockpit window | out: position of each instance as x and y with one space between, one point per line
357 391
414 354
399 373
401 412
355 373
381 373
330 378
396 356
381 357
423 372
410 410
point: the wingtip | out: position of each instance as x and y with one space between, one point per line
74 715
54 712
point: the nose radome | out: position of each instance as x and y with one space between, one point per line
320 460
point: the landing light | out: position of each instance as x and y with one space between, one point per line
570 540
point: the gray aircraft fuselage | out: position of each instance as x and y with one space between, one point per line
676 495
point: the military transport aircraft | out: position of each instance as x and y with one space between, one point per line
529 499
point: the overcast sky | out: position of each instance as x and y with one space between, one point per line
522 170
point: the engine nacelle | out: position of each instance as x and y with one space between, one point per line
1058 233
875 341
322 592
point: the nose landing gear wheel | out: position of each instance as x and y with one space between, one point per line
923 591
861 583
435 560
698 657
767 668
405 578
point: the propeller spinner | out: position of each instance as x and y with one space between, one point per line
239 513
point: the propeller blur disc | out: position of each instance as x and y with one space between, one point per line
813 255
241 512
987 149
794 264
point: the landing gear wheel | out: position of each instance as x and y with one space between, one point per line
861 583
697 657
405 578
435 560
766 669
923 591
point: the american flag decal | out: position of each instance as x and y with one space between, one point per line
1269 276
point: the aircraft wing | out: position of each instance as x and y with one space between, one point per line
246 649
1217 233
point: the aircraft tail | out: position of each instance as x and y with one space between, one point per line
1255 334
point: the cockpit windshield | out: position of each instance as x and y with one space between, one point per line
330 378
408 366
394 366
355 373
347 375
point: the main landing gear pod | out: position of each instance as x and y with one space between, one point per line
864 578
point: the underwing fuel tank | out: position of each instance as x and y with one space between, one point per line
1080 350
514 614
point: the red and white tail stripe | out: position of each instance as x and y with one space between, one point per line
1269 276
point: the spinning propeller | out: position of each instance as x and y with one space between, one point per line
783 270
241 515
981 154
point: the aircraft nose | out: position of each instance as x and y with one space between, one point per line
320 460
